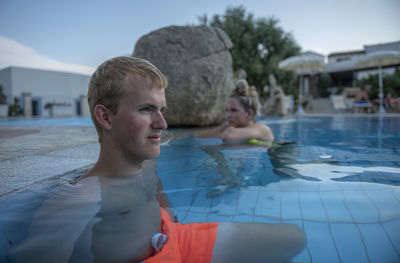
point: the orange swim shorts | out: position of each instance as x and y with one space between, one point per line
187 243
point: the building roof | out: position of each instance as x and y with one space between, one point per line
342 66
346 61
351 52
393 46
44 70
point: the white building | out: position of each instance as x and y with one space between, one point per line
343 69
46 93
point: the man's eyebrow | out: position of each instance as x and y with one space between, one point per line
153 106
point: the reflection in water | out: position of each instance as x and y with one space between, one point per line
229 166
97 219
329 172
229 177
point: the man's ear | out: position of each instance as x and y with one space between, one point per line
102 115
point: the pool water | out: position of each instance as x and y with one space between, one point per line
338 180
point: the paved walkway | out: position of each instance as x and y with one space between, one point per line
31 155
322 105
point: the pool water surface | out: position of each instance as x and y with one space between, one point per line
338 181
337 178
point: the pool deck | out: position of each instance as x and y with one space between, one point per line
43 153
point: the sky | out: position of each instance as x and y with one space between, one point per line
78 35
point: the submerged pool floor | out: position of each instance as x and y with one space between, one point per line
344 222
341 187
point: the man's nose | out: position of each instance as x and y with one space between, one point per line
159 122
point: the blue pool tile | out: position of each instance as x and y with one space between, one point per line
308 186
247 200
321 244
350 186
227 207
385 202
179 198
195 217
396 194
392 229
329 186
335 206
229 196
312 207
215 217
182 179
267 219
349 243
268 204
243 218
200 202
180 213
378 244
367 186
361 207
289 185
291 206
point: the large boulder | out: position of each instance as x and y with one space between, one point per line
198 65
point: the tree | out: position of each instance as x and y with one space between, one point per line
259 44
15 109
324 82
3 97
391 84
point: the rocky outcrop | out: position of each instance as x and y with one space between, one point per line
275 104
198 65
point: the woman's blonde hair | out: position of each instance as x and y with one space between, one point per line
106 86
247 96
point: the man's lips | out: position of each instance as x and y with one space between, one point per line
155 137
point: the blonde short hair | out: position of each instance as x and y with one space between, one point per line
106 86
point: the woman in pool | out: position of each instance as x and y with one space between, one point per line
241 110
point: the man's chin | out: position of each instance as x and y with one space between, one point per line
154 153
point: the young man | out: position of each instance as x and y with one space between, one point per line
126 99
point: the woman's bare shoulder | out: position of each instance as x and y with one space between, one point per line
211 132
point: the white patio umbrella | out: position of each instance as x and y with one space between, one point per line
380 59
304 63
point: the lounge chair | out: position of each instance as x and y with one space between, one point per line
362 105
288 103
339 102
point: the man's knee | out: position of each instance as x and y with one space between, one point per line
252 242
297 239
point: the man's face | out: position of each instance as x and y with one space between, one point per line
137 126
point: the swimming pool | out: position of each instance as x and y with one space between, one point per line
338 180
